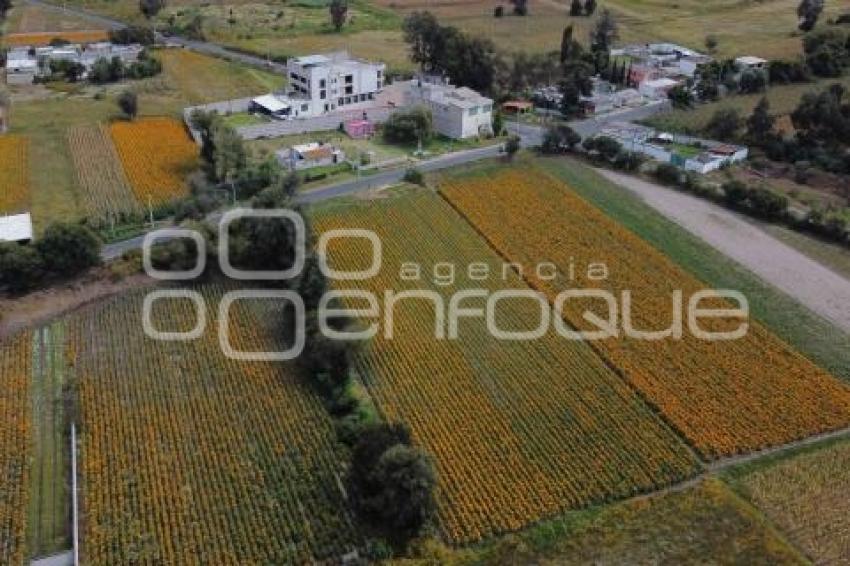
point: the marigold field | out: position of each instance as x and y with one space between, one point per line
157 154
191 458
725 397
44 38
519 430
806 497
15 426
104 187
14 174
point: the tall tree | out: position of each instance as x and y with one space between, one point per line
808 12
128 102
602 37
339 13
760 123
567 44
150 8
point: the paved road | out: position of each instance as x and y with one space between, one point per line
812 284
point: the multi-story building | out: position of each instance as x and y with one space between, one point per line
324 83
457 112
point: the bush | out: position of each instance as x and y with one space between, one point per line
628 160
559 138
414 176
21 267
68 249
132 34
668 173
409 126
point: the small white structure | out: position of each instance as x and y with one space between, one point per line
457 113
309 155
319 84
657 88
271 105
16 228
21 67
750 62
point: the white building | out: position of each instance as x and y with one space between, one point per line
324 83
657 88
750 62
21 67
457 113
16 228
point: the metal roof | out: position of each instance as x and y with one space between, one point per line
15 228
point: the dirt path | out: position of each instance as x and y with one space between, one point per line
809 282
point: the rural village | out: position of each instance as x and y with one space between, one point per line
161 159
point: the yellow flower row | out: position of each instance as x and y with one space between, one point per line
14 174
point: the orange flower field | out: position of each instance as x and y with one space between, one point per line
44 38
14 174
725 397
519 430
15 427
191 458
157 154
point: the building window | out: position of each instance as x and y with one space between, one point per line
304 107
322 83
326 107
379 85
488 108
473 111
349 90
323 94
349 79
340 102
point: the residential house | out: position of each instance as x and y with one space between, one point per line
748 62
21 66
457 112
310 155
25 64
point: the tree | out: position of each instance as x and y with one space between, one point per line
204 122
409 126
711 43
760 123
512 146
128 102
68 249
132 34
520 7
405 501
827 52
230 156
576 8
808 12
752 81
575 84
559 138
823 117
21 267
567 43
602 37
680 97
589 7
724 124
339 13
498 124
150 8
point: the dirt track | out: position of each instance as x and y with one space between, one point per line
813 285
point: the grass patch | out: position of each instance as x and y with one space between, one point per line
816 338
243 119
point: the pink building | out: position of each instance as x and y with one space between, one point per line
359 129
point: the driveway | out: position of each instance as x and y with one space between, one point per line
810 283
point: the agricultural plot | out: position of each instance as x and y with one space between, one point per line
190 457
15 427
44 38
14 174
157 154
725 397
805 495
103 186
519 430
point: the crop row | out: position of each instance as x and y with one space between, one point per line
105 189
726 397
519 430
189 457
14 174
157 154
15 429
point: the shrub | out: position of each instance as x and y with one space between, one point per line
414 176
68 249
21 267
409 126
668 173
